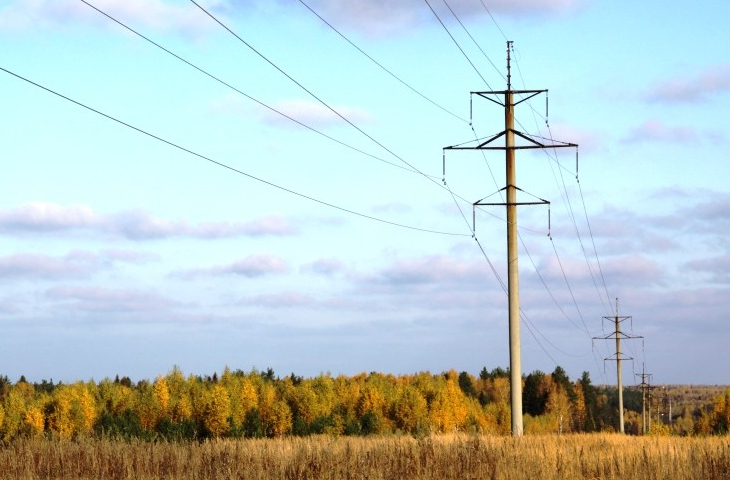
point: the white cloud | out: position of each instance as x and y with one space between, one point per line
588 140
130 256
658 131
431 269
42 218
45 267
98 299
255 265
279 300
386 17
162 15
36 217
323 266
633 270
715 79
718 268
76 264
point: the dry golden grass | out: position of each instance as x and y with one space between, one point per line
445 457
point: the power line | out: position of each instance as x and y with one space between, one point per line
456 43
386 70
566 199
253 99
570 289
593 241
493 19
553 159
308 91
523 315
228 167
472 38
325 104
411 169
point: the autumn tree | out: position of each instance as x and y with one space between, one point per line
14 407
721 413
59 418
578 408
72 410
276 417
559 408
114 397
347 391
448 410
217 411
161 397
410 410
145 406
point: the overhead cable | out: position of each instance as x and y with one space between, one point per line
228 167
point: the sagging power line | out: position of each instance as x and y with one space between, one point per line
225 166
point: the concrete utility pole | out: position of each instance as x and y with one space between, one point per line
618 356
513 275
644 386
509 133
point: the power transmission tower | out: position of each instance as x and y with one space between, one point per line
645 387
509 133
618 356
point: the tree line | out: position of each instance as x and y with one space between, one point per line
255 404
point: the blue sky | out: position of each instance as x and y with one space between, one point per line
121 254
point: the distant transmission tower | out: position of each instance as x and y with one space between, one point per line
528 142
618 356
646 389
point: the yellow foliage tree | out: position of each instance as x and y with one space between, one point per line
278 420
502 415
304 401
448 409
115 398
59 420
347 391
182 410
499 390
579 407
161 396
14 406
217 411
249 397
34 421
558 408
73 410
276 415
721 413
410 410
371 400
86 409
243 395
145 406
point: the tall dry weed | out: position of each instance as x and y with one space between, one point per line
444 457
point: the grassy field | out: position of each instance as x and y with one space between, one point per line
444 457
